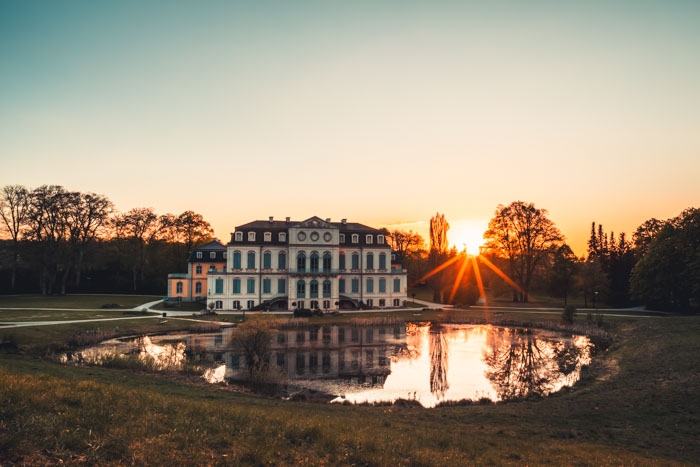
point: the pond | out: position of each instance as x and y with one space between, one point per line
426 362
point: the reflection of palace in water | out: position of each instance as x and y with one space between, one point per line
358 354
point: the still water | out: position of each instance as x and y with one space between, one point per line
426 362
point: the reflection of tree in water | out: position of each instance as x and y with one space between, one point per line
520 364
438 361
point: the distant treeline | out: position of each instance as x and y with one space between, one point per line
55 241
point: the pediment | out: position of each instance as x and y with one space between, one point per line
315 222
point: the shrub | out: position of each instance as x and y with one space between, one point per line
568 314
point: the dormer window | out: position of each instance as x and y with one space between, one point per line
251 236
368 239
238 236
355 238
380 239
341 238
199 255
212 255
283 236
267 237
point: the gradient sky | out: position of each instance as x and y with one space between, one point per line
383 113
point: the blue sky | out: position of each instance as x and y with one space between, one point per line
380 112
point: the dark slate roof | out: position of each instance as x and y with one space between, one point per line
215 246
275 226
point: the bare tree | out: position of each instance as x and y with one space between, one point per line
14 212
138 228
48 228
405 244
438 255
524 236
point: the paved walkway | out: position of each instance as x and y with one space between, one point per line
632 313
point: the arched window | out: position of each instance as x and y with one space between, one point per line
282 260
178 287
380 239
326 288
370 261
251 260
382 260
327 262
301 289
267 236
355 238
313 289
251 236
238 236
314 262
301 262
237 260
267 260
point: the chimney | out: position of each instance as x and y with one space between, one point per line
328 219
344 221
271 217
287 220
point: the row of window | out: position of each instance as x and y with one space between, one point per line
236 305
314 261
197 288
282 237
313 288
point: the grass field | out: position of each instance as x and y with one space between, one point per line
638 404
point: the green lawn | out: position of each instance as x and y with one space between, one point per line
638 404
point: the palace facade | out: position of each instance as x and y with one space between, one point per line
312 264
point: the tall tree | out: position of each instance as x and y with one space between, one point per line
667 277
138 228
88 216
438 255
48 229
14 212
563 272
524 236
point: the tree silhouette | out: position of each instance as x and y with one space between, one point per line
524 236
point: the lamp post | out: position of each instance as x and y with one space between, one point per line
595 297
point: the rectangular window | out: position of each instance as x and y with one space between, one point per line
267 260
219 304
235 362
370 285
199 255
368 239
341 335
251 304
341 285
198 288
341 261
370 261
250 285
341 238
251 260
267 285
282 237
356 286
236 304
382 285
397 285
281 286
178 287
397 302
251 236
236 286
355 261
355 238
267 237
382 261
219 286
382 303
212 255
282 260
236 260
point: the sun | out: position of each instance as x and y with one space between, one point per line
467 233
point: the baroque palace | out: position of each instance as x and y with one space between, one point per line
286 265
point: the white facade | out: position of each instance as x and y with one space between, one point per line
314 264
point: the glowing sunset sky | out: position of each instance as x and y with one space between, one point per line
383 113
